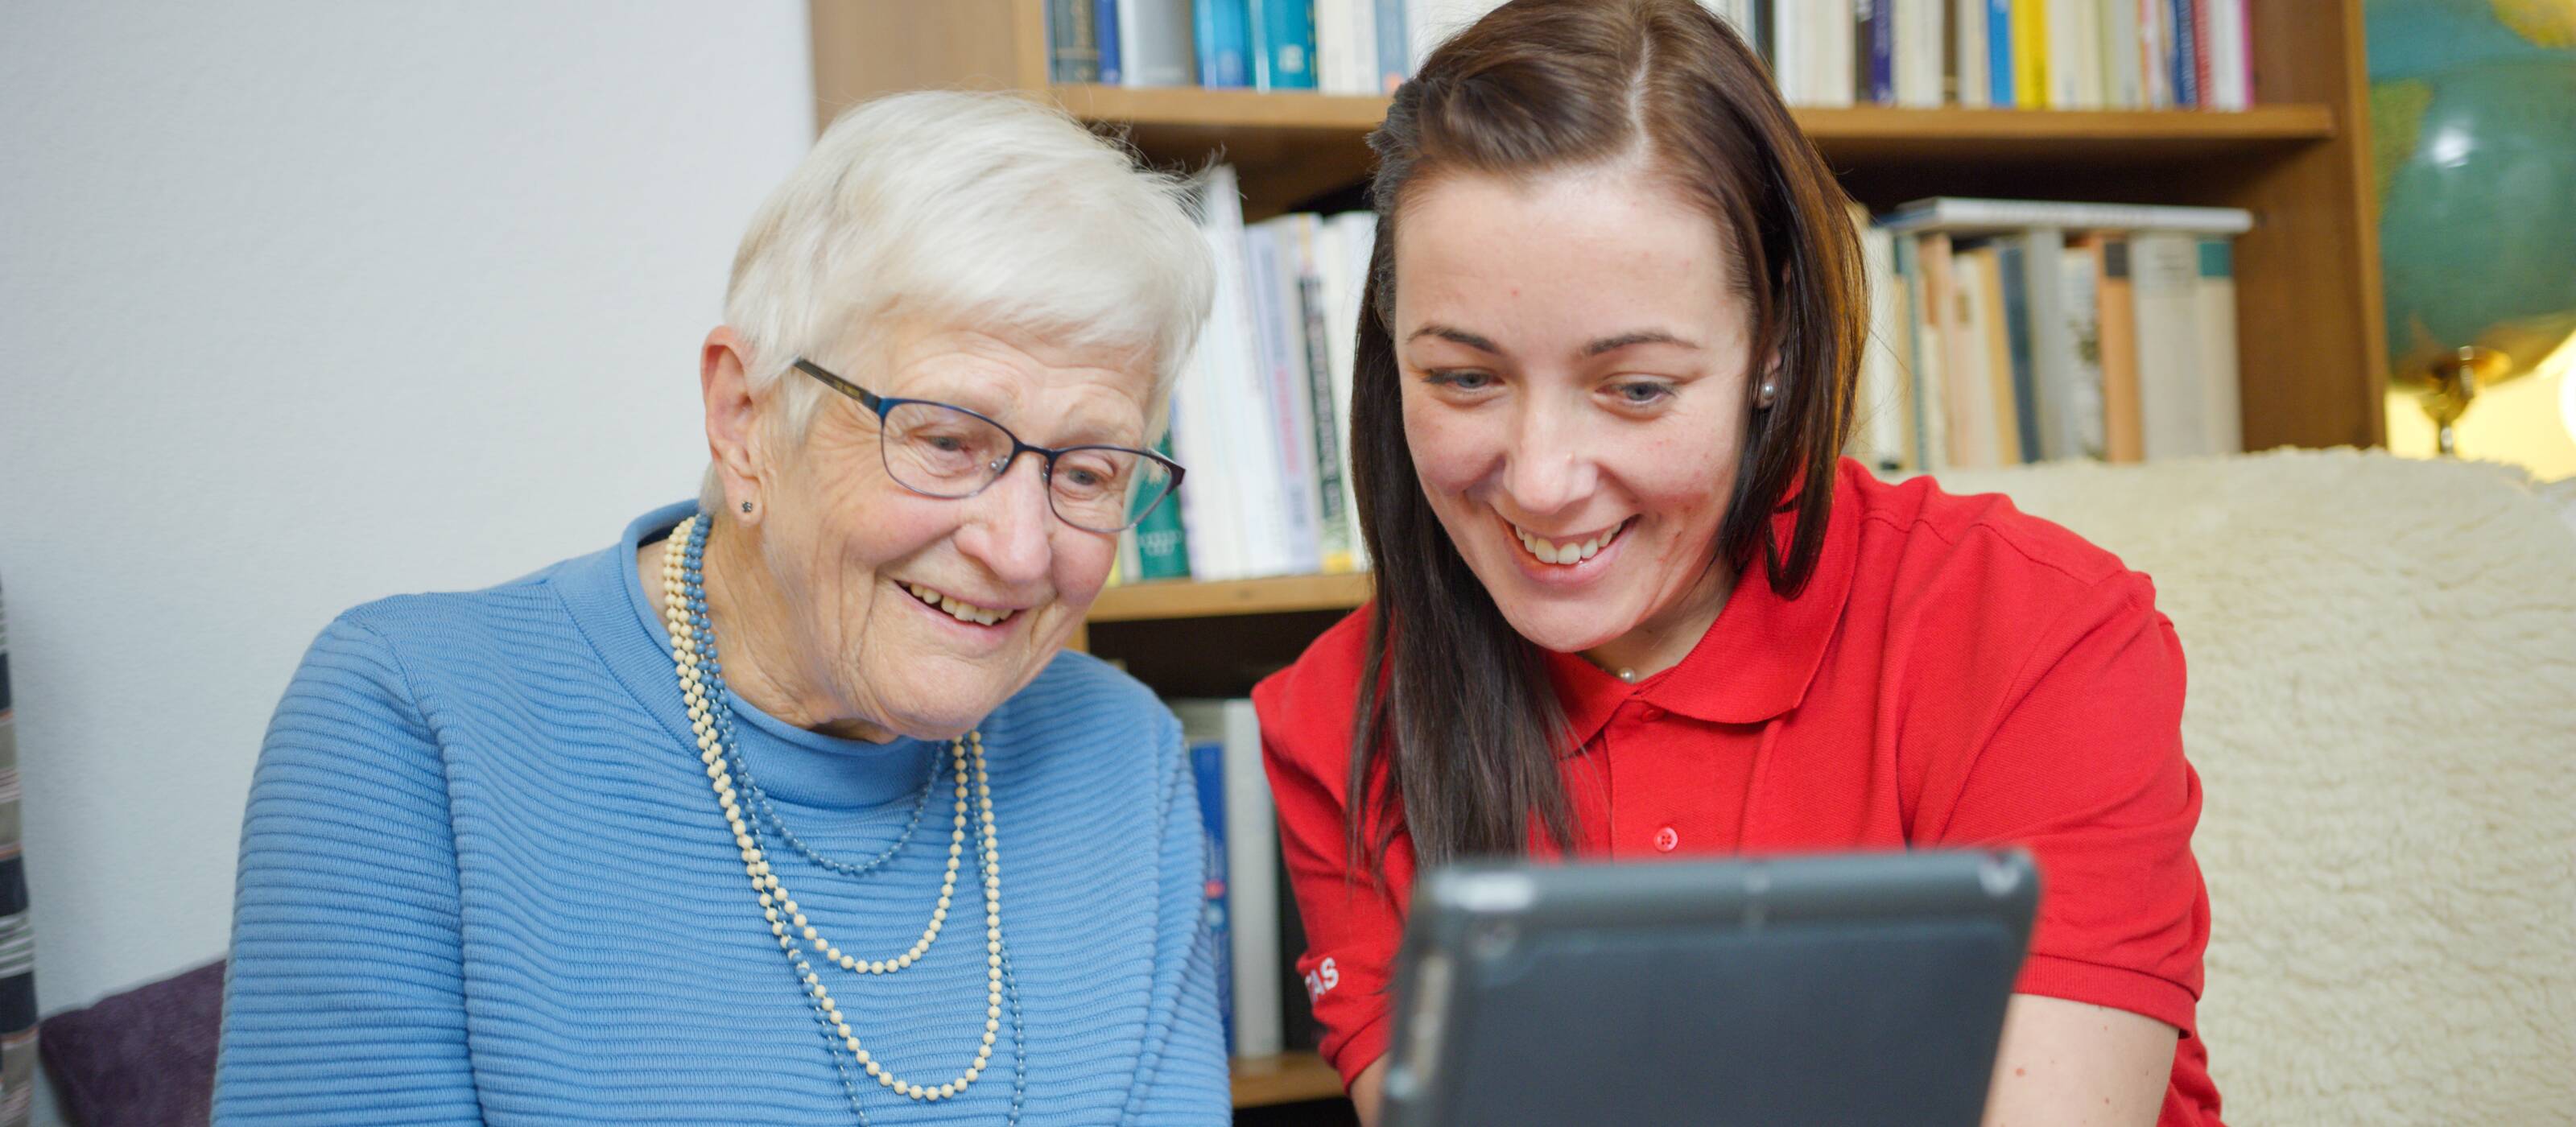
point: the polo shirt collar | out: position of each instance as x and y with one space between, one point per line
1756 660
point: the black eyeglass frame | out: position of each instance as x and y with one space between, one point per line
882 405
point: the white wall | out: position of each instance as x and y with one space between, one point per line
303 304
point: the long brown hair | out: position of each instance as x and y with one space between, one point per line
1458 731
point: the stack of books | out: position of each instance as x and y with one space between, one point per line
1264 1003
1364 47
2007 331
1260 414
2027 54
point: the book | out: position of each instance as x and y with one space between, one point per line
1345 46
1351 238
1879 425
2070 46
1073 45
2154 20
1922 52
2122 75
1983 279
1279 329
1207 770
1224 35
1155 47
2012 264
1959 214
1251 867
2031 83
1394 48
1104 31
2181 51
2056 366
1874 52
1283 44
2079 309
1303 239
1834 79
1926 359
1162 542
2215 315
2164 283
1969 87
2001 70
2118 318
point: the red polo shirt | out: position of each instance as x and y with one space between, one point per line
1956 673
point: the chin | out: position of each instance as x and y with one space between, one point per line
1562 627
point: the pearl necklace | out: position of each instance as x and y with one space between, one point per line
710 716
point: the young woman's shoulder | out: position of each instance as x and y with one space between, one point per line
1305 709
1921 546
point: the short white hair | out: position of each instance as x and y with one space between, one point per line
987 211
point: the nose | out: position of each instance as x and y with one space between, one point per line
1549 467
1008 524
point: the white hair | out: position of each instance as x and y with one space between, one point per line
980 211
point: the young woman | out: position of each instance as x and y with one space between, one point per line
1631 603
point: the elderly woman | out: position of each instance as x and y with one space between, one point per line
708 826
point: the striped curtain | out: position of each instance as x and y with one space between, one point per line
17 947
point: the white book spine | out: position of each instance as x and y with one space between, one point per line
1920 43
1968 22
2155 28
2052 345
1831 61
2214 309
2080 311
1281 476
1252 886
1356 233
1879 437
1154 45
1360 18
2120 54
2164 279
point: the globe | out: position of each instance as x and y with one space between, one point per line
2472 120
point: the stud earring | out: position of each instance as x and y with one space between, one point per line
1770 392
746 506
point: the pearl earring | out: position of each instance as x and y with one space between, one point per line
1770 391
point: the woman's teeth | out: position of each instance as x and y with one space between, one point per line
1570 551
962 612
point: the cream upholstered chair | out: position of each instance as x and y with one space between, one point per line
2382 708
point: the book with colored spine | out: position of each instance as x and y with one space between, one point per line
1251 869
1283 44
1224 36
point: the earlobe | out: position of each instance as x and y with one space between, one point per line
732 417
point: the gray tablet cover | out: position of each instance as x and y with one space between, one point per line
1851 989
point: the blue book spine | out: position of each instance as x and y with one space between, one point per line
1283 40
1224 30
2011 260
2185 47
1882 51
1394 50
1207 768
1999 59
1104 24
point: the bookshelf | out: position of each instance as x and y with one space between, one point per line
2313 365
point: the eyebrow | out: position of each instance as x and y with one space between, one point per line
1599 347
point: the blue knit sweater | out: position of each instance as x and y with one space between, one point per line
483 880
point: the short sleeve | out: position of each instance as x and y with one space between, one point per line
1353 923
2083 765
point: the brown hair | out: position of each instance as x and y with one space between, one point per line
1458 731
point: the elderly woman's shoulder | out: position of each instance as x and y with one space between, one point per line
426 629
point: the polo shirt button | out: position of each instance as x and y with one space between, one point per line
1667 840
1650 714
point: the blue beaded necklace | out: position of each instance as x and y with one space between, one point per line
721 719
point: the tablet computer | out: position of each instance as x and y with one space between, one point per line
1848 989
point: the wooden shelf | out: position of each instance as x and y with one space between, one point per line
1138 602
1157 118
1284 1079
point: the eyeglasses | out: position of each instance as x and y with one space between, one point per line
938 450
